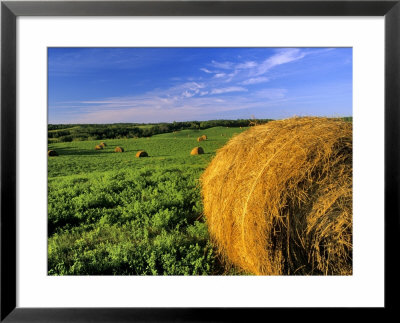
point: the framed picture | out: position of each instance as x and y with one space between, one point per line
89 88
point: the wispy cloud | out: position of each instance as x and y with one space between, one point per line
219 75
282 57
223 65
251 71
205 70
255 80
228 89
246 65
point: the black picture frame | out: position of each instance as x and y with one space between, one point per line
10 10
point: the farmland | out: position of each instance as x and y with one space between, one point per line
114 214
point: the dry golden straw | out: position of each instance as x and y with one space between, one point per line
119 150
278 198
141 153
200 139
52 153
98 147
197 151
204 137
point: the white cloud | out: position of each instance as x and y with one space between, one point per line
228 90
255 80
282 57
246 65
188 94
206 70
223 65
219 75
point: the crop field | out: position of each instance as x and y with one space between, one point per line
114 214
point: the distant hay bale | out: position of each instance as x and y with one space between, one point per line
278 198
197 151
141 153
119 149
103 144
52 153
204 137
98 147
200 139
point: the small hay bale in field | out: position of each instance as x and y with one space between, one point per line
200 139
119 150
52 153
103 144
141 153
204 137
98 147
197 151
278 198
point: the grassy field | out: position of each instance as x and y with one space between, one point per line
114 214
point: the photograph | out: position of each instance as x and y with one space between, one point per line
215 161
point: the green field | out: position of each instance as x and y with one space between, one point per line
114 214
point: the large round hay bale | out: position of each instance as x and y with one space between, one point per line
103 144
119 149
204 137
200 139
197 151
278 198
52 153
141 153
98 147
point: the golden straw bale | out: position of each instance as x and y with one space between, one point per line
200 139
103 144
98 147
141 153
204 137
52 153
278 198
197 151
119 150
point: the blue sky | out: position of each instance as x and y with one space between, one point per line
110 85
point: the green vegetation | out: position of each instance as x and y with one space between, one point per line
68 133
114 214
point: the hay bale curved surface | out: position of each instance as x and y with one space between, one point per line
278 198
52 153
141 153
98 147
119 149
204 137
197 151
200 139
